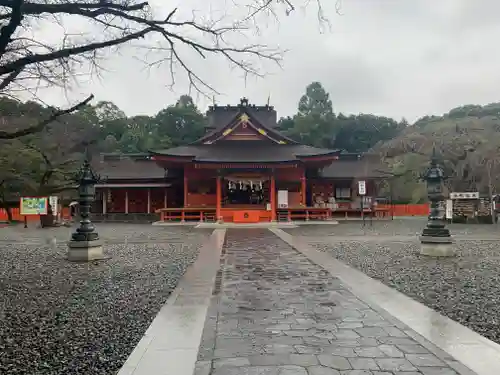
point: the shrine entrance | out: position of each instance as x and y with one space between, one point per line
246 198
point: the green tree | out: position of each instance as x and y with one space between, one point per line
286 124
360 133
316 101
314 124
181 123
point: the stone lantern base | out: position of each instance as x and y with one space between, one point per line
437 246
85 251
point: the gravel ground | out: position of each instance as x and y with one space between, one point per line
400 227
465 288
58 317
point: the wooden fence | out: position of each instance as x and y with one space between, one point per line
16 215
407 209
395 210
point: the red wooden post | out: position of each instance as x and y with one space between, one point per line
273 198
218 197
303 188
185 190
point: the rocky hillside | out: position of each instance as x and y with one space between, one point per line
468 141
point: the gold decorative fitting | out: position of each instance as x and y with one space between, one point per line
244 117
262 131
227 131
282 142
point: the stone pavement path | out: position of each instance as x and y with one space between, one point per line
275 313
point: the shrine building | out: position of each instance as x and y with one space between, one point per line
243 170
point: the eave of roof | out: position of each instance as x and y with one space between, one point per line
235 152
127 167
361 168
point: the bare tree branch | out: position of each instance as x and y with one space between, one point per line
28 62
42 124
123 21
10 28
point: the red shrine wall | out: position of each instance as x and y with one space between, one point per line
291 180
116 199
201 186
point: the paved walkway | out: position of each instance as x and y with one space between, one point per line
275 313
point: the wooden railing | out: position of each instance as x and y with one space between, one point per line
198 213
187 214
304 213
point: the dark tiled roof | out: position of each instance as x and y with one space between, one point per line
220 116
257 119
367 166
245 152
127 167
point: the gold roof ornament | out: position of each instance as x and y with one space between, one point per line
244 117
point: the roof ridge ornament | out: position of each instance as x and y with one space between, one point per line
244 117
243 102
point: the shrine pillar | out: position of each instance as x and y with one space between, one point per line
185 190
273 197
104 200
303 188
218 202
126 201
149 200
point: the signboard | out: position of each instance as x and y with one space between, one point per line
362 187
465 195
282 198
33 205
53 204
449 209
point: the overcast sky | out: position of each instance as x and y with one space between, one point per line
398 58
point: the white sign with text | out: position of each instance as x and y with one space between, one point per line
362 187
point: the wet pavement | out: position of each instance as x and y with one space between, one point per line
274 312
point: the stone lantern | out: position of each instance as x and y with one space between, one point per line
85 244
436 239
